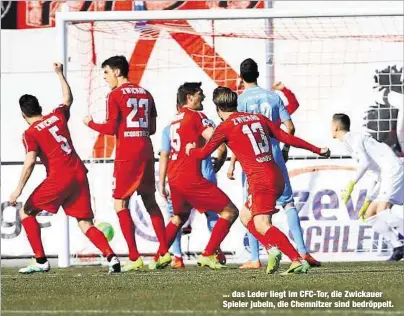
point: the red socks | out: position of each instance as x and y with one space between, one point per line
275 237
33 231
256 234
171 231
159 227
219 232
128 231
99 240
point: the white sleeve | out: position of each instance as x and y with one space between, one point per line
373 190
355 146
364 164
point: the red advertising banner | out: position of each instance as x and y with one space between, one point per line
41 14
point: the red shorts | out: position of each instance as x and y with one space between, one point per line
133 175
199 194
262 200
71 192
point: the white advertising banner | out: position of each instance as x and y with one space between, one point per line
331 230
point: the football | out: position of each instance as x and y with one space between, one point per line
106 229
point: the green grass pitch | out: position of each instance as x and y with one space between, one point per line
195 291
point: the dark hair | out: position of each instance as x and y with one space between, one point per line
225 99
249 70
30 106
188 88
117 62
343 121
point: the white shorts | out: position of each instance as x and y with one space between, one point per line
391 188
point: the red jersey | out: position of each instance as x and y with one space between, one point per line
247 135
50 138
187 127
129 110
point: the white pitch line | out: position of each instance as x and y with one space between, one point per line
222 311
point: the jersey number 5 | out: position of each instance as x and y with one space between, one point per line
175 140
261 147
60 139
135 105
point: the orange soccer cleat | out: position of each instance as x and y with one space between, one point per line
251 265
177 263
313 262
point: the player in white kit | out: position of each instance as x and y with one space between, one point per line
388 187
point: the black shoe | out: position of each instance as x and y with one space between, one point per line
398 254
114 265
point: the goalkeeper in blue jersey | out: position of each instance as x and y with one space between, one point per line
255 99
209 172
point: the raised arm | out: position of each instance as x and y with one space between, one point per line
293 104
66 91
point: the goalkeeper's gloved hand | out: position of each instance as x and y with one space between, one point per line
364 208
347 191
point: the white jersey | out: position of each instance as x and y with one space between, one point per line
371 154
379 158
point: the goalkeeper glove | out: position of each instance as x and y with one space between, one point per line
364 208
347 192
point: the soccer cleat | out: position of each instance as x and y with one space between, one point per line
35 267
313 262
220 256
274 258
133 265
251 265
163 261
153 265
304 268
297 268
177 263
397 255
114 265
209 261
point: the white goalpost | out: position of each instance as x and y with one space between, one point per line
326 57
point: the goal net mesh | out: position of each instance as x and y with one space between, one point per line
329 63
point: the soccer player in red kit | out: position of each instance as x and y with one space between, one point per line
131 116
247 135
188 188
66 183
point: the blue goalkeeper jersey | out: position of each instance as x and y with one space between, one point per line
206 166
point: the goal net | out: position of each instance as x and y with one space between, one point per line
349 64
329 63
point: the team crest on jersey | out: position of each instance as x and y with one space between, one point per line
207 122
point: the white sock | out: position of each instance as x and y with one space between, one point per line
392 220
380 226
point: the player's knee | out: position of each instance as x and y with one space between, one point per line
178 220
230 213
289 205
27 211
85 224
262 223
245 216
149 201
119 205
